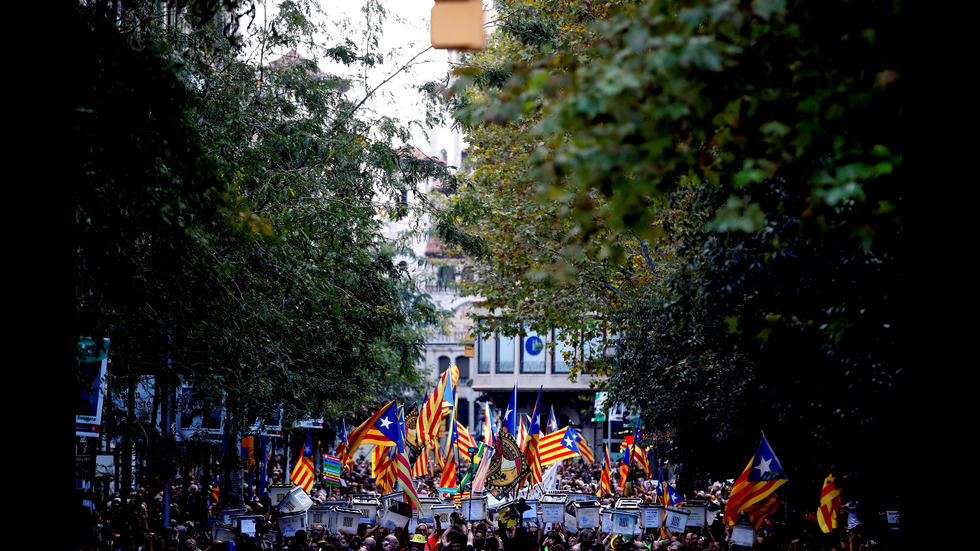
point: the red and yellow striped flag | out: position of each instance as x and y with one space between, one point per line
557 446
583 447
605 483
302 474
421 466
760 478
829 505
465 441
368 433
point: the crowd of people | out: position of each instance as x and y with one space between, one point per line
133 521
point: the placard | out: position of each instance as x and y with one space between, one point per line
320 514
552 512
474 508
587 517
650 515
290 524
368 506
623 522
443 512
296 501
697 513
396 515
221 532
347 520
892 517
278 492
743 534
248 524
228 514
531 514
675 519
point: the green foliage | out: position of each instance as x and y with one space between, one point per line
230 211
721 183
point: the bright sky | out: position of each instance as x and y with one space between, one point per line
403 39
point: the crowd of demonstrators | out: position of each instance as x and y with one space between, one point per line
134 522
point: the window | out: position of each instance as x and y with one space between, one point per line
463 363
562 351
593 348
463 411
506 350
443 364
484 353
533 353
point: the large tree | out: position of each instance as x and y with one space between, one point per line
732 172
229 210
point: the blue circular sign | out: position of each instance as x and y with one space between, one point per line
534 345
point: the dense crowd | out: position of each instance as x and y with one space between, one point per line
133 522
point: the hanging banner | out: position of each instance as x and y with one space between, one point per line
599 414
309 423
198 419
267 427
142 400
93 362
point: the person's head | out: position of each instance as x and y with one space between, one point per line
456 540
423 529
369 543
418 541
188 543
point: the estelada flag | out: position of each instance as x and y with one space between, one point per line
561 444
829 505
376 429
760 478
583 448
757 513
605 483
302 474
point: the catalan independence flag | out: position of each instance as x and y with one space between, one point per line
342 452
583 447
605 483
465 442
533 445
384 430
302 474
558 445
489 427
760 478
368 432
403 473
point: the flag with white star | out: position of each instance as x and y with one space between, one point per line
561 444
384 431
510 416
760 478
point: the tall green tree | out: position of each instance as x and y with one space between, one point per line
230 211
736 171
